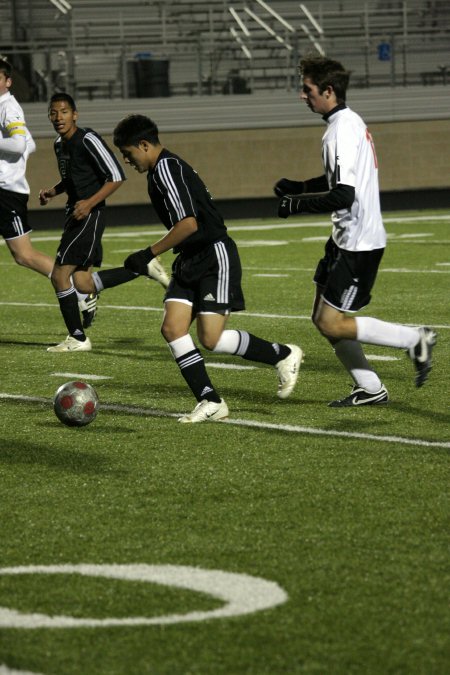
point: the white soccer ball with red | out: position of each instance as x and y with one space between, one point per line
76 404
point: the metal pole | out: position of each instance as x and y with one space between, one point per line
367 44
393 59
199 65
15 21
405 42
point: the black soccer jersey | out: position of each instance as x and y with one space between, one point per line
85 164
177 192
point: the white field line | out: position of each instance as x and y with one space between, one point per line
251 228
310 270
82 376
135 308
291 428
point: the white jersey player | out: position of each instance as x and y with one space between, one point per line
16 144
349 159
344 277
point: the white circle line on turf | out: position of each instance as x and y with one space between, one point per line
241 594
290 428
5 670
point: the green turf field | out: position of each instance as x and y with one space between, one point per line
294 538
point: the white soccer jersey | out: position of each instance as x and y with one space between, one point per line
12 168
349 158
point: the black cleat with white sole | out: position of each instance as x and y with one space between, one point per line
420 355
88 308
360 396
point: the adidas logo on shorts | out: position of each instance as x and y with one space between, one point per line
209 297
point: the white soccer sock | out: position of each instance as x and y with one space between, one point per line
228 342
376 332
352 357
97 282
181 346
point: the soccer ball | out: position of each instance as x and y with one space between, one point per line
76 404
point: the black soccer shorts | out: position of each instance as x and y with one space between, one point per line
210 280
13 214
347 276
80 243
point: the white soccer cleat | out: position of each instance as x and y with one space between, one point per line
206 411
156 271
288 370
71 344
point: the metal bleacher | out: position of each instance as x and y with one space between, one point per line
98 49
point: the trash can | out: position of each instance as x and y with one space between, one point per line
151 76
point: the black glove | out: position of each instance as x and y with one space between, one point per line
288 187
287 206
137 262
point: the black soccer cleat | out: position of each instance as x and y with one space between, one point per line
420 355
360 396
88 309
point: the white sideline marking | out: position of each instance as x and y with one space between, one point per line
81 376
4 670
246 243
378 357
408 270
229 366
249 228
270 275
313 431
135 308
241 593
409 235
315 238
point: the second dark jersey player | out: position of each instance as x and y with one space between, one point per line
89 173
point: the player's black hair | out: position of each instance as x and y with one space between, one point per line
62 96
326 73
5 68
135 128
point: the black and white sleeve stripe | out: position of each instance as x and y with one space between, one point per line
171 176
104 158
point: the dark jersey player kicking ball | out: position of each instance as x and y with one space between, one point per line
206 275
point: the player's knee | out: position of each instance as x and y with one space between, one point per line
84 286
328 328
60 280
169 332
209 342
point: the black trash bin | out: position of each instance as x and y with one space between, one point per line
151 77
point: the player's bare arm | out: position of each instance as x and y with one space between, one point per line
181 231
45 194
83 207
